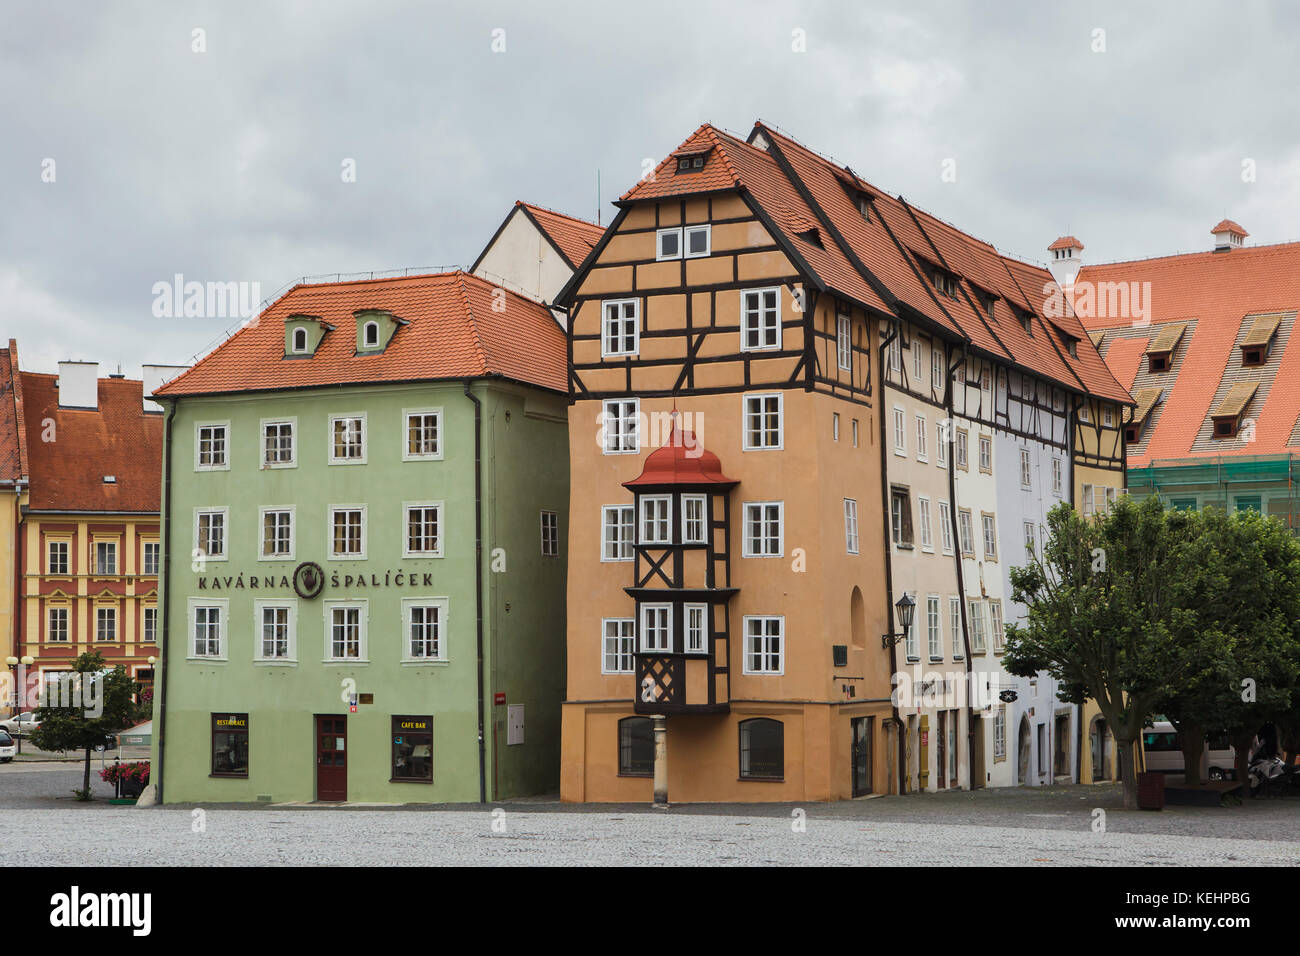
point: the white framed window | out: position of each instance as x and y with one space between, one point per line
917 360
843 342
760 319
922 440
212 446
617 645
279 448
966 532
210 532
1026 470
149 624
656 519
986 454
895 353
900 431
694 519
423 430
936 369
911 642
346 532
835 426
764 644
56 625
370 335
347 439
656 628
764 535
963 448
668 244
855 433
995 624
207 619
697 628
424 624
1000 732
422 521
977 642
1031 538
990 530
620 426
927 529
1089 502
620 330
934 627
550 530
1107 416
942 435
105 557
299 340
1111 493
764 421
56 557
851 525
345 631
699 241
1056 477
105 624
152 556
277 533
276 630
945 526
954 628
618 532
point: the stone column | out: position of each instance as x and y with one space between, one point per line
661 760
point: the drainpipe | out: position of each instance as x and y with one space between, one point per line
478 582
157 777
961 577
889 563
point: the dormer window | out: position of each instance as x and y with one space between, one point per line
864 206
370 334
1259 340
1160 353
300 340
690 162
303 334
1072 347
945 283
375 329
1227 417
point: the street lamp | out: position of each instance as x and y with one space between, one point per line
906 608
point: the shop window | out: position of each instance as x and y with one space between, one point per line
636 747
230 745
413 749
762 749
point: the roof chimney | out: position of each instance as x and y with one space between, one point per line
154 377
79 385
1065 260
1228 235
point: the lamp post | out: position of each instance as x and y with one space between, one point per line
906 608
12 662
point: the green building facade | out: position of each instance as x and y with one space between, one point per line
363 569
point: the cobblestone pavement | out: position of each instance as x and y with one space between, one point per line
40 824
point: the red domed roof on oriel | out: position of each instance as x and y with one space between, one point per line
682 461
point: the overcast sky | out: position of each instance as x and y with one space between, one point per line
228 164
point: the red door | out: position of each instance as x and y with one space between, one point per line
331 757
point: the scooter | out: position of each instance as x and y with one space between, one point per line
1268 776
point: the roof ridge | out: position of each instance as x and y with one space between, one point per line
556 212
473 322
1229 256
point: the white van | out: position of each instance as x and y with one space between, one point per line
1164 753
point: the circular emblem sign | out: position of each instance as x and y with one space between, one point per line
308 579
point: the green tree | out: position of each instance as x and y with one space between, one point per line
1102 615
1239 651
91 704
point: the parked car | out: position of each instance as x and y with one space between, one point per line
1164 753
8 747
21 725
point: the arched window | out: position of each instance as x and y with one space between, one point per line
300 340
762 749
858 620
636 747
370 334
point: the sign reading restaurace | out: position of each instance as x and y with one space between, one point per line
337 579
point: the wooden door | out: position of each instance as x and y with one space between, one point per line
331 757
862 757
943 749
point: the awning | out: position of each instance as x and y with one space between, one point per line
1261 332
1146 399
1097 335
1167 339
1235 402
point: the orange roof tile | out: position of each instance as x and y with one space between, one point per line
1065 242
13 463
1223 294
1227 225
118 438
575 238
453 330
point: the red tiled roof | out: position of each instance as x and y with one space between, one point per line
682 461
574 237
1065 242
717 174
118 438
13 446
1221 292
1228 225
1124 356
452 331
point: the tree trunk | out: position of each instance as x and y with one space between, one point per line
85 780
1192 737
1127 772
1241 745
